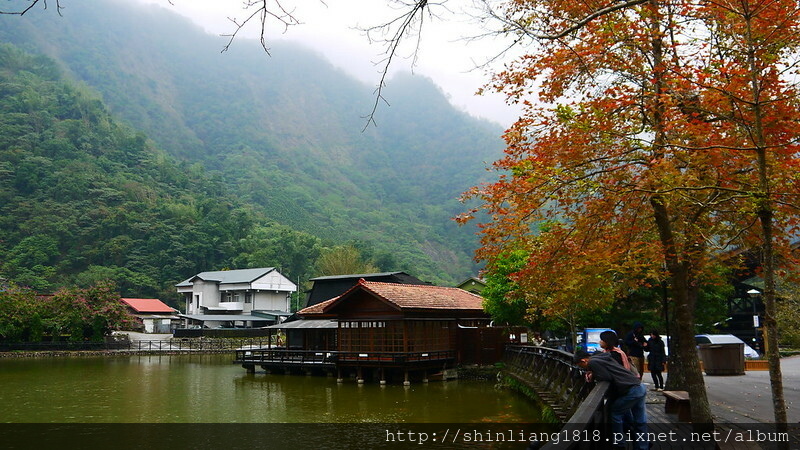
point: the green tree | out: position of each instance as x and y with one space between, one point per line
503 299
17 307
343 260
788 315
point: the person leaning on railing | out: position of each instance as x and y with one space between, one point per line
626 395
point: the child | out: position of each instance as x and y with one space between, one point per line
608 342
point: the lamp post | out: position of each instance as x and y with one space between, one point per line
754 294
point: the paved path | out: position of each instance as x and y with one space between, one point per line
738 402
748 397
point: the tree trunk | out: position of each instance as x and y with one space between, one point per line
770 323
685 363
765 216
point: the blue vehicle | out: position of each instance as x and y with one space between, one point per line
589 339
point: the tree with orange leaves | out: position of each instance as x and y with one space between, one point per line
751 93
629 156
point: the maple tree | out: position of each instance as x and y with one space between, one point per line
751 94
635 153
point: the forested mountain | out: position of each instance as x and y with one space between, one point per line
278 138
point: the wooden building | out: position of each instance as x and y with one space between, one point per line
380 330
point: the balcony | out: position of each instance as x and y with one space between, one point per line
232 306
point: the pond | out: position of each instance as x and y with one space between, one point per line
210 389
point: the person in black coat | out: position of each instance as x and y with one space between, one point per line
656 359
637 345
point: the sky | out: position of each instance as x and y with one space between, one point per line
334 29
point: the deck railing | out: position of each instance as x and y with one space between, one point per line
288 356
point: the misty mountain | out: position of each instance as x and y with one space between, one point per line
282 132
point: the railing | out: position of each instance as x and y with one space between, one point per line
292 357
562 385
281 356
551 374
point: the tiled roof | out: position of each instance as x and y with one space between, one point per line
148 305
408 296
318 308
412 296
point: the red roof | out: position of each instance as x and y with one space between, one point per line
148 305
319 308
408 296
417 296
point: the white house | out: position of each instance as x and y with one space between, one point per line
236 298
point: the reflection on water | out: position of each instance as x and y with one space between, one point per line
209 389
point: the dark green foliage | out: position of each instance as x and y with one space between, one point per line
502 297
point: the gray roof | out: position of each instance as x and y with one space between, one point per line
271 313
360 275
229 276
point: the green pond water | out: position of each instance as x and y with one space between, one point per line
210 389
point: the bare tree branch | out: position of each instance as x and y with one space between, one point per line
406 25
22 11
263 10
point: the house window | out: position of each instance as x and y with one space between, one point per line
248 297
232 297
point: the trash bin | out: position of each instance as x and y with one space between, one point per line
723 359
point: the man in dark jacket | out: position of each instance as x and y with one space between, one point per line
626 394
637 345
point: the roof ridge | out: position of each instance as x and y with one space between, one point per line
415 285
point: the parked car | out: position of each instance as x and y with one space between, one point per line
725 339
